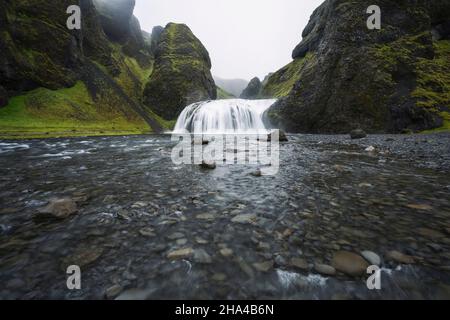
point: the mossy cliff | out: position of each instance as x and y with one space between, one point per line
345 76
182 73
58 82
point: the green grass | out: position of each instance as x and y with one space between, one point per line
64 112
222 94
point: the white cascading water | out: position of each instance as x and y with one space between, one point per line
224 116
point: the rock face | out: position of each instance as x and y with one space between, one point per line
182 73
345 76
97 75
253 89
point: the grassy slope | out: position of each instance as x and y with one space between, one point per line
222 94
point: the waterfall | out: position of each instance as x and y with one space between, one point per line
224 116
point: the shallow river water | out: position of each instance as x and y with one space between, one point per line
239 232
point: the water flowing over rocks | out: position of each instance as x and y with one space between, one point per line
146 228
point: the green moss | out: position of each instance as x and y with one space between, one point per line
63 112
281 82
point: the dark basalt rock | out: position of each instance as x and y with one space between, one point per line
253 89
358 134
346 76
3 97
182 73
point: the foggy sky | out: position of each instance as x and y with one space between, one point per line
245 38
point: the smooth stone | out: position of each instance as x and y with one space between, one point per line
263 266
349 263
325 269
429 233
209 165
220 277
60 208
201 256
257 173
135 294
400 257
244 218
147 232
370 149
83 257
358 134
180 254
226 252
299 263
372 257
420 207
206 216
113 291
175 236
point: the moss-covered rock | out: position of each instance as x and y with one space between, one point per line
182 73
39 54
253 90
345 76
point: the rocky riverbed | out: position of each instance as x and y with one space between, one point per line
141 227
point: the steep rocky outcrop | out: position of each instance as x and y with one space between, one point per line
181 73
53 79
345 76
253 89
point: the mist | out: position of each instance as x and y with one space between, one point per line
244 38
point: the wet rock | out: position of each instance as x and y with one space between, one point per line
208 165
349 263
370 149
263 266
113 291
201 256
59 208
226 252
299 263
422 207
139 205
83 256
429 233
244 218
180 254
400 257
325 269
219 277
135 294
358 134
181 242
371 257
257 173
147 232
175 236
206 216
123 215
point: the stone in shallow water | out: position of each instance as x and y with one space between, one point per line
60 208
325 269
349 263
147 232
83 256
358 134
244 218
400 257
135 294
263 266
371 257
209 165
299 263
201 256
180 254
113 291
226 252
430 233
206 216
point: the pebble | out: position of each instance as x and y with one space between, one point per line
349 263
263 266
400 257
226 252
180 254
60 208
113 291
325 269
371 257
201 256
299 263
244 218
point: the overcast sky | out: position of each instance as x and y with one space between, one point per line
245 38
